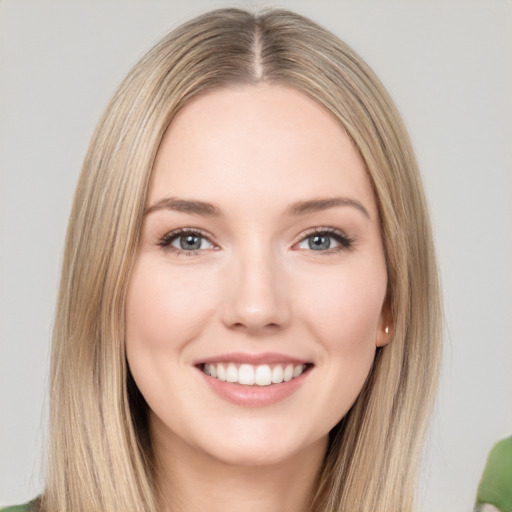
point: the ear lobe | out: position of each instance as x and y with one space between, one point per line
385 328
384 334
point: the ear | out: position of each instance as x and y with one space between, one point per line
385 327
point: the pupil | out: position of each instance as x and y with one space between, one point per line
189 242
319 242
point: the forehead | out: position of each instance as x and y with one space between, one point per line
257 142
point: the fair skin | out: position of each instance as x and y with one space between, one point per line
278 274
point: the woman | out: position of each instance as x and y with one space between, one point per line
249 312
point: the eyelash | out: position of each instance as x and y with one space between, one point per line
345 242
166 241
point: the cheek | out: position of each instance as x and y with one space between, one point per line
343 312
344 308
348 331
164 309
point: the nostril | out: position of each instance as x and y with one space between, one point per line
255 326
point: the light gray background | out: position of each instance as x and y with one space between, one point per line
448 65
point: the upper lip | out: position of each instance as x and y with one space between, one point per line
253 359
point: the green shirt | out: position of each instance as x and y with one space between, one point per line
16 508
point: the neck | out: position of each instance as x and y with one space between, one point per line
192 481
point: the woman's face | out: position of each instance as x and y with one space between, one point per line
256 302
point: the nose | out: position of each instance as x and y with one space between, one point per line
257 298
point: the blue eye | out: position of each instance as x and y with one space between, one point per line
186 241
325 241
319 242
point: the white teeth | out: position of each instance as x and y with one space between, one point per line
277 374
246 375
263 375
249 375
231 373
288 373
221 372
297 371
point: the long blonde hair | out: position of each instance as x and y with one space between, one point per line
100 454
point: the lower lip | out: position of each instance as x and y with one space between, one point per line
254 396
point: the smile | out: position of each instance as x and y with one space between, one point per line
254 375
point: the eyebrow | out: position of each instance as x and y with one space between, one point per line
185 206
318 205
209 210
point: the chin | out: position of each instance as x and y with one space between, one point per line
262 445
252 456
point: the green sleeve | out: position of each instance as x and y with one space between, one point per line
16 508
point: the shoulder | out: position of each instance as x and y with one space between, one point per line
17 508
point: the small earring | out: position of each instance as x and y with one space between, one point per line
386 329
